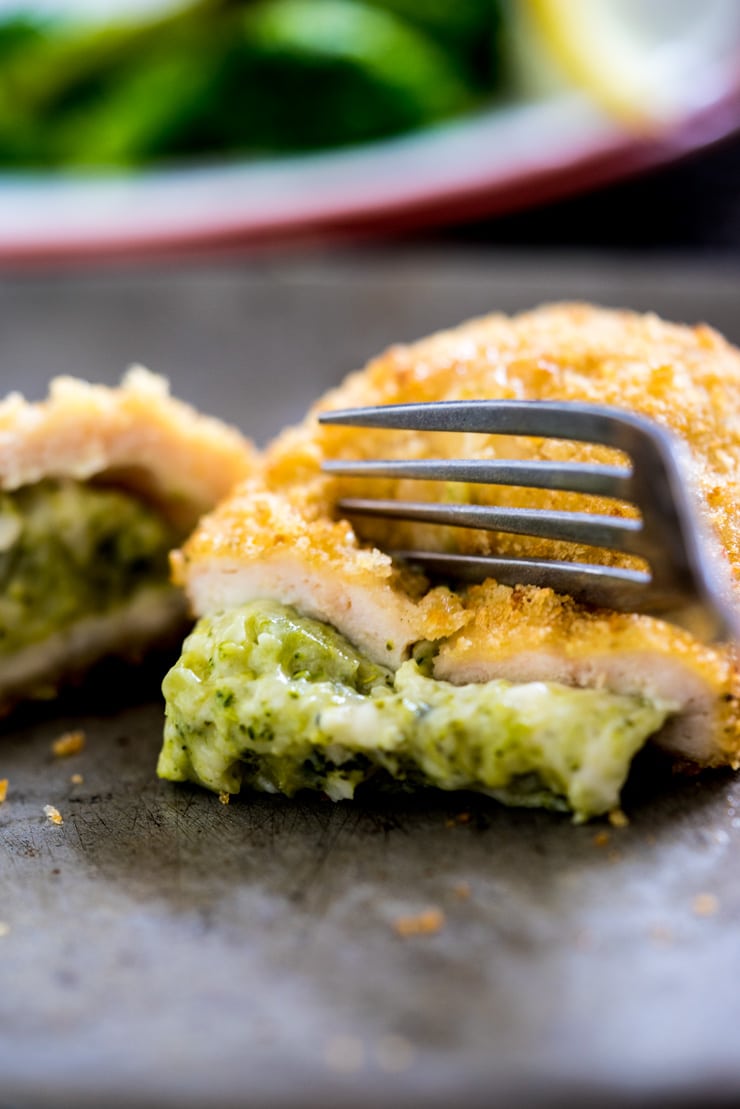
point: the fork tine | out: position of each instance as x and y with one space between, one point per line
605 481
601 586
670 537
620 533
608 586
589 423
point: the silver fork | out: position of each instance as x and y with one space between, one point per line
687 582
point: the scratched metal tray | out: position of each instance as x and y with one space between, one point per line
159 948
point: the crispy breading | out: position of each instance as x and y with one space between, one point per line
136 434
280 536
282 546
687 379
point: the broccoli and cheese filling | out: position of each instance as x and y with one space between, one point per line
266 698
70 550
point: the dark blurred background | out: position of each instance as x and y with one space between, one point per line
693 205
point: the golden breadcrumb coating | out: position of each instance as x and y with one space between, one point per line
262 544
687 379
280 534
136 435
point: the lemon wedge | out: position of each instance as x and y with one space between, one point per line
599 46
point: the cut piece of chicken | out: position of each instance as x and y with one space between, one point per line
260 544
533 635
279 536
96 485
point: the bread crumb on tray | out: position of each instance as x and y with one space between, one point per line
71 743
705 904
426 923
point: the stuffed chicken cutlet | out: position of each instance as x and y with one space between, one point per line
96 486
318 662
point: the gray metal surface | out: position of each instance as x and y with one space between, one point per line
164 949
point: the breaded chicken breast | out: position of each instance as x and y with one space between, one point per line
280 539
96 485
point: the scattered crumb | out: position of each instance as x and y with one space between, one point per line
705 904
76 779
345 1054
53 815
394 1054
614 856
462 891
4 929
449 823
601 839
224 797
463 818
3 789
617 819
71 743
659 933
426 923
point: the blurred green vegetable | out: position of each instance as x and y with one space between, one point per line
322 74
246 77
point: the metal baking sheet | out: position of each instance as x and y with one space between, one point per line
160 948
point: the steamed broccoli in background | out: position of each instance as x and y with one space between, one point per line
240 77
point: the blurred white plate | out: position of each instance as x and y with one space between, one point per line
504 159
